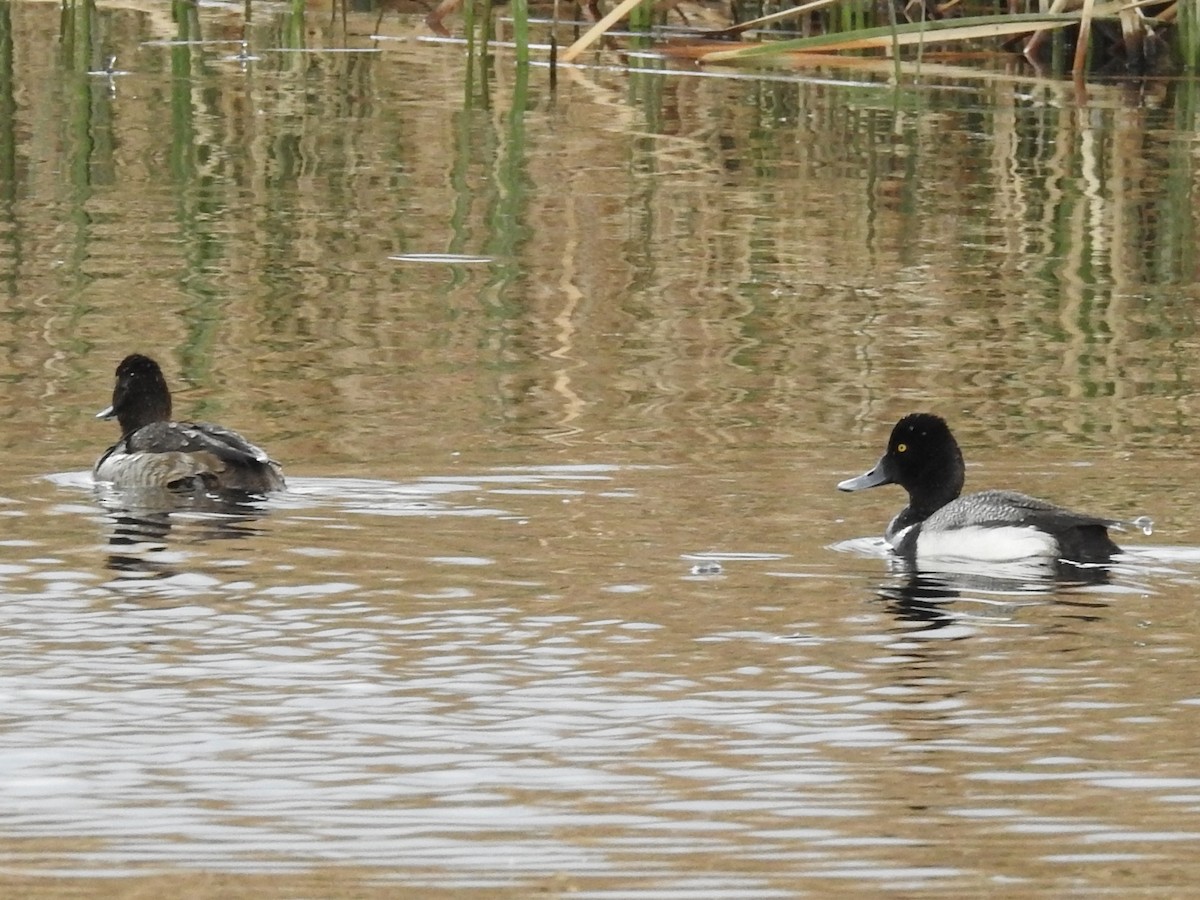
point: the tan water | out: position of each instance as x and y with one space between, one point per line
561 597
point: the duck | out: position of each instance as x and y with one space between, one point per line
156 452
997 526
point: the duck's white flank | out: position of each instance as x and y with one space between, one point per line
987 543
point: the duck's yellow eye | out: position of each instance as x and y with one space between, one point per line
900 448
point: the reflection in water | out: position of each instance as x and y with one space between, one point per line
426 677
143 518
925 597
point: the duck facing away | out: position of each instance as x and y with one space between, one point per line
182 456
993 526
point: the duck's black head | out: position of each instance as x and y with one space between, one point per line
923 458
140 396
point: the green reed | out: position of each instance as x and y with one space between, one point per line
854 15
641 18
520 18
1188 35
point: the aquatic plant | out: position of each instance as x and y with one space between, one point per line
1114 36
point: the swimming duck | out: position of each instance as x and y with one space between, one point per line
183 456
995 526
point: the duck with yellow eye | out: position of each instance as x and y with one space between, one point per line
991 526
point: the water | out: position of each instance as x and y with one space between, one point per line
497 678
562 597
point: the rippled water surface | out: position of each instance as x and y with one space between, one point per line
561 597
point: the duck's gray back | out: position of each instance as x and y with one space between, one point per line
1009 508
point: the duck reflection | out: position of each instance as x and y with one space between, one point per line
145 523
924 597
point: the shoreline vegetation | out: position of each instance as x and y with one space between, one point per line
1083 38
